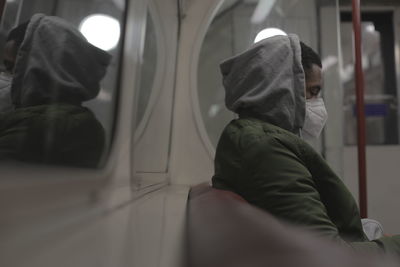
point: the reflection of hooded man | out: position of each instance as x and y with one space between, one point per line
5 93
261 156
54 71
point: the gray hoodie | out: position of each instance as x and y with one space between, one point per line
55 64
267 81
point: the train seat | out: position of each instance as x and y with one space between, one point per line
225 230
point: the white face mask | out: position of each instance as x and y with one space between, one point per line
5 93
316 117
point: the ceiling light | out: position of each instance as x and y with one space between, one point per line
102 31
267 33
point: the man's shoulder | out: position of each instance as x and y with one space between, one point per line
43 116
247 132
253 126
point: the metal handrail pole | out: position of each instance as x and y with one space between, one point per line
362 171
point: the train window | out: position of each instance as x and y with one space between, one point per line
148 72
380 79
59 75
235 28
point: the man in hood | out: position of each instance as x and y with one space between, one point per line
274 88
54 69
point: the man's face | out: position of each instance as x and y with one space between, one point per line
313 81
10 55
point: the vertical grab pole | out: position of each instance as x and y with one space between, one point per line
362 172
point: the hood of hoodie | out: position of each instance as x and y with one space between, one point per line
56 64
267 81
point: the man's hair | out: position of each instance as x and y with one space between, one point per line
18 34
309 57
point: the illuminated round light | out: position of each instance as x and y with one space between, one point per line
267 33
370 28
101 31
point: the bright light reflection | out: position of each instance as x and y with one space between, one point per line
267 33
370 28
101 31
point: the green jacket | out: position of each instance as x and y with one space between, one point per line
52 134
277 171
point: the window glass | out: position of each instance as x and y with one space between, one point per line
380 79
154 96
59 74
234 29
148 70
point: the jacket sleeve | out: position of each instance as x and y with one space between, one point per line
280 183
10 140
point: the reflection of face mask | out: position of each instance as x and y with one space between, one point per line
316 117
5 93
